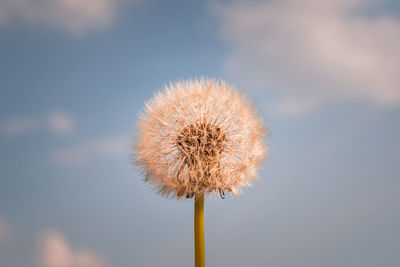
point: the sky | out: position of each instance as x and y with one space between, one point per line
74 76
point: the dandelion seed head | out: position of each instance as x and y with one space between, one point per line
198 137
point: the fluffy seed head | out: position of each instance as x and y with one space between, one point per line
198 137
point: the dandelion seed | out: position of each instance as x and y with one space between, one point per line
199 137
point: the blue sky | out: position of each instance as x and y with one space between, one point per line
74 76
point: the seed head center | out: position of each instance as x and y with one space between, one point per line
202 141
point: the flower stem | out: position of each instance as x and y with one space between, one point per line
199 254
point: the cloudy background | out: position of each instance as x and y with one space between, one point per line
74 75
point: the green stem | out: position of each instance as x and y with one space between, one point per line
199 253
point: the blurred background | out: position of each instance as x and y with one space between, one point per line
74 76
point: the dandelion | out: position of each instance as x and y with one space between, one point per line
200 137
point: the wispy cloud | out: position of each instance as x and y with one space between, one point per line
108 147
18 125
60 122
75 16
56 251
5 230
57 122
309 53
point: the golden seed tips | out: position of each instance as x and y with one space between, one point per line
198 137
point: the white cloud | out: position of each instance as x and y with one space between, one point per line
309 53
5 230
19 125
57 122
75 16
55 251
61 122
109 147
